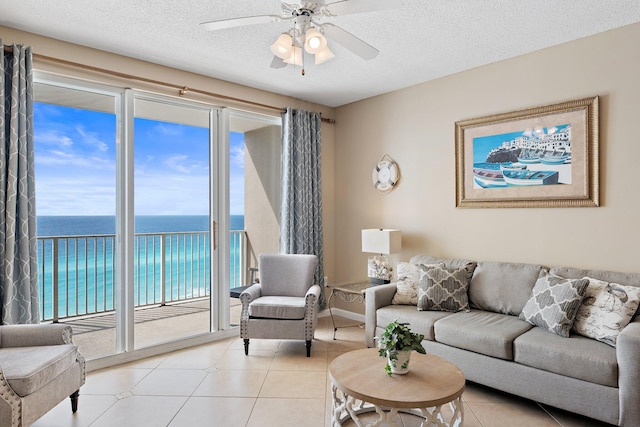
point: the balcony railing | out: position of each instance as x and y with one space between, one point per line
77 273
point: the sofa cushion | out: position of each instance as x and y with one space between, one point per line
577 357
503 287
554 303
277 308
28 369
469 265
421 322
606 309
443 289
483 332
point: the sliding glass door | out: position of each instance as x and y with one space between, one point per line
174 231
150 208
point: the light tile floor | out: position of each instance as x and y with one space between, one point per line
275 386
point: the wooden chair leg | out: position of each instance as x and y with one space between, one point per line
308 343
246 346
74 401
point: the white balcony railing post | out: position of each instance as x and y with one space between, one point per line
163 280
55 279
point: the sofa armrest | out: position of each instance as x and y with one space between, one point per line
314 290
252 292
35 335
628 356
248 295
375 297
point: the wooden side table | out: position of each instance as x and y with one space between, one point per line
360 384
348 292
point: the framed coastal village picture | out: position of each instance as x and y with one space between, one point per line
539 157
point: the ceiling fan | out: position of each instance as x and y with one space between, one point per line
307 32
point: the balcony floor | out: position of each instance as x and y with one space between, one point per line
95 335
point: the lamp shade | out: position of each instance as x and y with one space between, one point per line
295 57
282 47
314 41
323 55
381 241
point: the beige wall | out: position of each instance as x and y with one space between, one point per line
415 126
262 190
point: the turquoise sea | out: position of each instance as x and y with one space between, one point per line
171 261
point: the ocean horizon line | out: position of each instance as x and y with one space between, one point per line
76 225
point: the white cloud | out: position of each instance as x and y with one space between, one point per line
93 195
167 129
178 163
53 137
171 194
92 139
63 158
236 154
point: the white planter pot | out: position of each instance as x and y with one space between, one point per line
402 364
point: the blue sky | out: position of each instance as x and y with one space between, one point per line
75 156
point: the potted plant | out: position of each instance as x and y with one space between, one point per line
396 344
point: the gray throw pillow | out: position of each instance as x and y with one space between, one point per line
443 289
554 303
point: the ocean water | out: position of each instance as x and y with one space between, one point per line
171 261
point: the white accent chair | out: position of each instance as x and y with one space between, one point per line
284 305
39 368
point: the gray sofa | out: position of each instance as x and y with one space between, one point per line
492 346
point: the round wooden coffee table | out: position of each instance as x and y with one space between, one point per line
360 384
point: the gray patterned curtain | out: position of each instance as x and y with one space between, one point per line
301 213
18 244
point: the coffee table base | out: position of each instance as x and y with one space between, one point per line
346 408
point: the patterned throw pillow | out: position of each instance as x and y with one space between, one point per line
443 289
606 309
407 284
554 303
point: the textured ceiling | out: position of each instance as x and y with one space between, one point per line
419 41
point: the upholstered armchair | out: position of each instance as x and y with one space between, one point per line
39 367
284 305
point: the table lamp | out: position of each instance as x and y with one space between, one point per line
383 242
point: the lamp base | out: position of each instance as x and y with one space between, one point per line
378 270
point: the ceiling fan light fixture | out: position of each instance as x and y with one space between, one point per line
314 41
295 57
323 55
283 46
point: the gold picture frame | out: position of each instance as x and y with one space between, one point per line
539 157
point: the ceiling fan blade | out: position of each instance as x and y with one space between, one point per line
277 63
351 42
239 22
346 7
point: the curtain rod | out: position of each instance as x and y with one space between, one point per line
182 90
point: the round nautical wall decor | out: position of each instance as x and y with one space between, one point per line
385 175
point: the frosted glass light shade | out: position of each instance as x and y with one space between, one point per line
381 241
314 41
295 57
323 55
283 46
